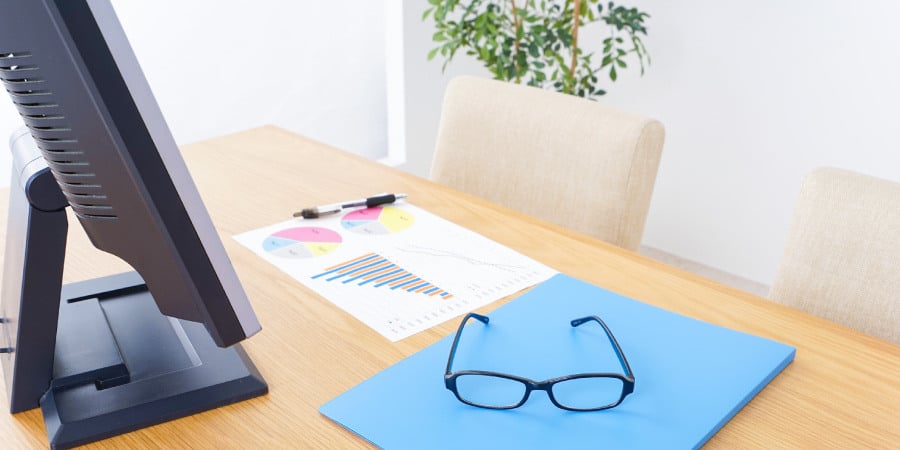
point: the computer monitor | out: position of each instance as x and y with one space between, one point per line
110 355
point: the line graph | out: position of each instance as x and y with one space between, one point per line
441 253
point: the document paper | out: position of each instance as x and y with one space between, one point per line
399 269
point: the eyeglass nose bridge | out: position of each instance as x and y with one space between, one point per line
627 378
547 386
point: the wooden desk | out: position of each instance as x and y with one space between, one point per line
843 389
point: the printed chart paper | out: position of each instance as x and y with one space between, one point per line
399 269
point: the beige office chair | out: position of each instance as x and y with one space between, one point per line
842 258
567 160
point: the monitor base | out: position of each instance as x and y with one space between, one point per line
120 365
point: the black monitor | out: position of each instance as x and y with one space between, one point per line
118 353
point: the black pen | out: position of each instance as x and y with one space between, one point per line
324 210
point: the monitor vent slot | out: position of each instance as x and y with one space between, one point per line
21 77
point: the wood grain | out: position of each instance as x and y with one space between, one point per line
842 391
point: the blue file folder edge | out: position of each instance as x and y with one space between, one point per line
691 377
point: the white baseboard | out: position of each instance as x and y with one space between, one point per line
712 273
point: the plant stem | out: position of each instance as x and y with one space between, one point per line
516 25
575 16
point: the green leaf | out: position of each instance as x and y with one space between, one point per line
522 59
486 30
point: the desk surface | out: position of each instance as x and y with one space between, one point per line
841 391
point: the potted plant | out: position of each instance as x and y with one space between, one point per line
536 41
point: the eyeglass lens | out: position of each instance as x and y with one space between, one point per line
588 392
576 393
490 391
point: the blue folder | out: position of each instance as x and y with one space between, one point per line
691 377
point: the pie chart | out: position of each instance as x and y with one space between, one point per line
302 242
378 220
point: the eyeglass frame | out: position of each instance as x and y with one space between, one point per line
531 385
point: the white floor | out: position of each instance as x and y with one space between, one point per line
735 281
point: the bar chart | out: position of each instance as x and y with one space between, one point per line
378 272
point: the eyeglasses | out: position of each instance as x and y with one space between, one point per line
578 392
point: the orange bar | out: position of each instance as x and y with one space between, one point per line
359 264
402 274
424 288
347 262
380 272
402 280
435 292
448 297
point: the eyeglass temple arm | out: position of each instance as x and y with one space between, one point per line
480 318
612 340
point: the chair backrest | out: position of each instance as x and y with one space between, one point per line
567 160
842 258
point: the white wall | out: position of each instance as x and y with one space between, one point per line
424 88
752 97
216 67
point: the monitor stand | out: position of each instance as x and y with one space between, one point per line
97 356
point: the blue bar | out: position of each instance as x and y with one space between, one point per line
370 272
382 275
357 269
406 282
417 286
345 266
351 265
432 290
398 277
